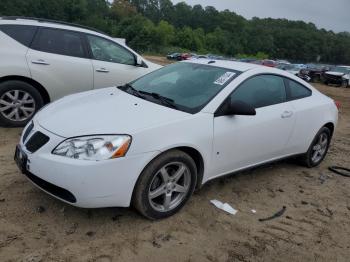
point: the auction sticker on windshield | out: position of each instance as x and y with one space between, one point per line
224 78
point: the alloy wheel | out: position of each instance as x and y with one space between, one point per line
319 148
17 105
169 186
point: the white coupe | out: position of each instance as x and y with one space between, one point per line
152 142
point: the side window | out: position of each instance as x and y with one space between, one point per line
297 91
57 41
105 50
22 33
261 90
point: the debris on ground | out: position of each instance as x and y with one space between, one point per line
156 244
253 211
90 233
72 229
224 206
276 215
41 209
116 217
342 171
323 178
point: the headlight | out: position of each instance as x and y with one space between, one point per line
94 148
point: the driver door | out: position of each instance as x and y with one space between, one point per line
243 141
113 64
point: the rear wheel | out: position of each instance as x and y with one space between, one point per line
165 185
19 101
318 148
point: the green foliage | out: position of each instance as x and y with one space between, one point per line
160 26
258 56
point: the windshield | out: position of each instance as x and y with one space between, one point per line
188 86
340 69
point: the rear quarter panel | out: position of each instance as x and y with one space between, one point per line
312 113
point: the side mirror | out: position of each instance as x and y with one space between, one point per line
236 107
139 61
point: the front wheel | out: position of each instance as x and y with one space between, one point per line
19 101
165 185
344 84
318 148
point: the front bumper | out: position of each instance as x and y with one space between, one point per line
334 79
88 184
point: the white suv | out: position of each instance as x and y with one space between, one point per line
43 60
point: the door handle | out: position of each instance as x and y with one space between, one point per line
287 114
40 62
102 70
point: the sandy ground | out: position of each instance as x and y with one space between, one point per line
315 226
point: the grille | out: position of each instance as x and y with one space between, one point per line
51 188
36 141
27 131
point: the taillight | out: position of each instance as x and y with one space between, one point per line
337 103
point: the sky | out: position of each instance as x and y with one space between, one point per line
329 14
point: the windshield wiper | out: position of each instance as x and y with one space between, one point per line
164 100
130 89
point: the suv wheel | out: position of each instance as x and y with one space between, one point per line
344 83
165 185
19 101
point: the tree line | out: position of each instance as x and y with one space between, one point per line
159 26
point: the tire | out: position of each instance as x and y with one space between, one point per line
21 97
344 84
152 183
319 144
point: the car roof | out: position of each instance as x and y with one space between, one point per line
50 23
234 65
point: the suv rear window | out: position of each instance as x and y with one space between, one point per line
57 41
22 33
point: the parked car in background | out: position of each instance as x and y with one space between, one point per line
44 60
290 68
199 57
269 63
285 62
313 72
151 142
173 56
184 56
301 66
248 60
337 75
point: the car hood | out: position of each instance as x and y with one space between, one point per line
152 66
104 111
334 73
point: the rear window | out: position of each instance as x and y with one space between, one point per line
297 91
21 33
57 41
